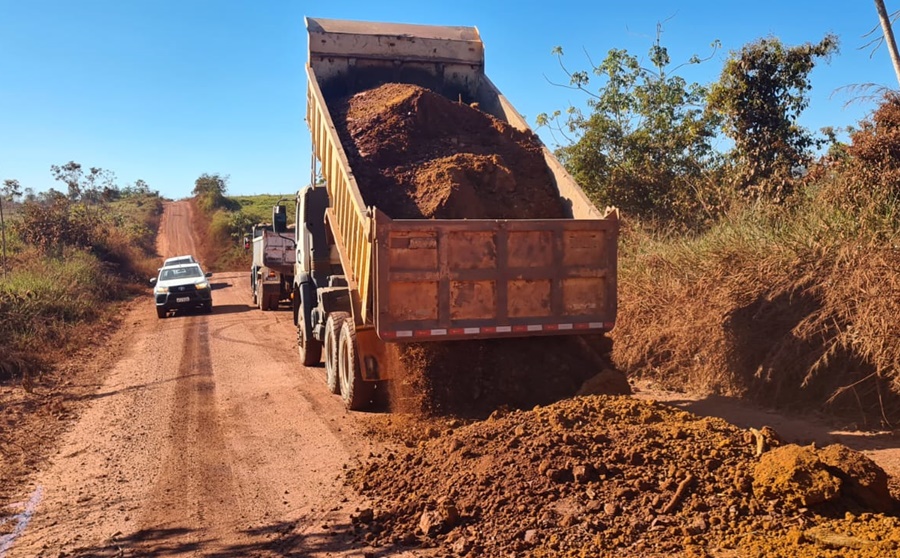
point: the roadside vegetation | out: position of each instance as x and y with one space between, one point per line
768 271
228 220
67 258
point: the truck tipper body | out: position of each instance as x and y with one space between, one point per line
363 280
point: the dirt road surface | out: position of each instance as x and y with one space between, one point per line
207 438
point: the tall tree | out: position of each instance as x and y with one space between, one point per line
69 174
210 190
888 31
644 141
760 94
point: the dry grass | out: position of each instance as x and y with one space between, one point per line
787 308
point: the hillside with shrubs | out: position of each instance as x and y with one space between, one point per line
68 258
768 271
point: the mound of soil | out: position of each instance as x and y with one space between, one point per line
800 476
473 378
419 155
600 475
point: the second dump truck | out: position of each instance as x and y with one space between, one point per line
272 270
363 280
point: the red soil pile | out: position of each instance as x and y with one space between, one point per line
419 155
614 476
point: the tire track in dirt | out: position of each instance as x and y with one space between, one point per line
196 495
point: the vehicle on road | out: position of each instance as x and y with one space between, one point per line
178 260
182 287
272 270
363 279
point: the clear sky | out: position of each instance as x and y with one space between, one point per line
165 90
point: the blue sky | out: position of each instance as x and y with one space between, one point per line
166 90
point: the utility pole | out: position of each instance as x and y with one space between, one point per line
3 230
888 36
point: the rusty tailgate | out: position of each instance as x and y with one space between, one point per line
463 279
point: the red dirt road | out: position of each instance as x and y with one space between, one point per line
207 438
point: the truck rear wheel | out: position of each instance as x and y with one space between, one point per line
332 336
258 297
310 349
356 392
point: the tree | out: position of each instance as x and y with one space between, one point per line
888 32
760 95
99 185
644 143
11 190
210 190
95 186
69 174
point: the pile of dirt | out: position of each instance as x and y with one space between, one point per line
599 475
471 379
419 155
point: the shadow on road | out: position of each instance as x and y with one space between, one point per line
101 395
231 308
217 286
280 539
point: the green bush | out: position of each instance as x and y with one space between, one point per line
43 297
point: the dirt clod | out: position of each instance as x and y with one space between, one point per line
794 476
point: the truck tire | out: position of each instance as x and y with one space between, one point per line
310 349
330 347
263 299
356 392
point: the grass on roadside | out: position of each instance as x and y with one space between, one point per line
791 307
53 289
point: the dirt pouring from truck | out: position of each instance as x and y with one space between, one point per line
419 155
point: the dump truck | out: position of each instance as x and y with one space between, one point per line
272 270
364 280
